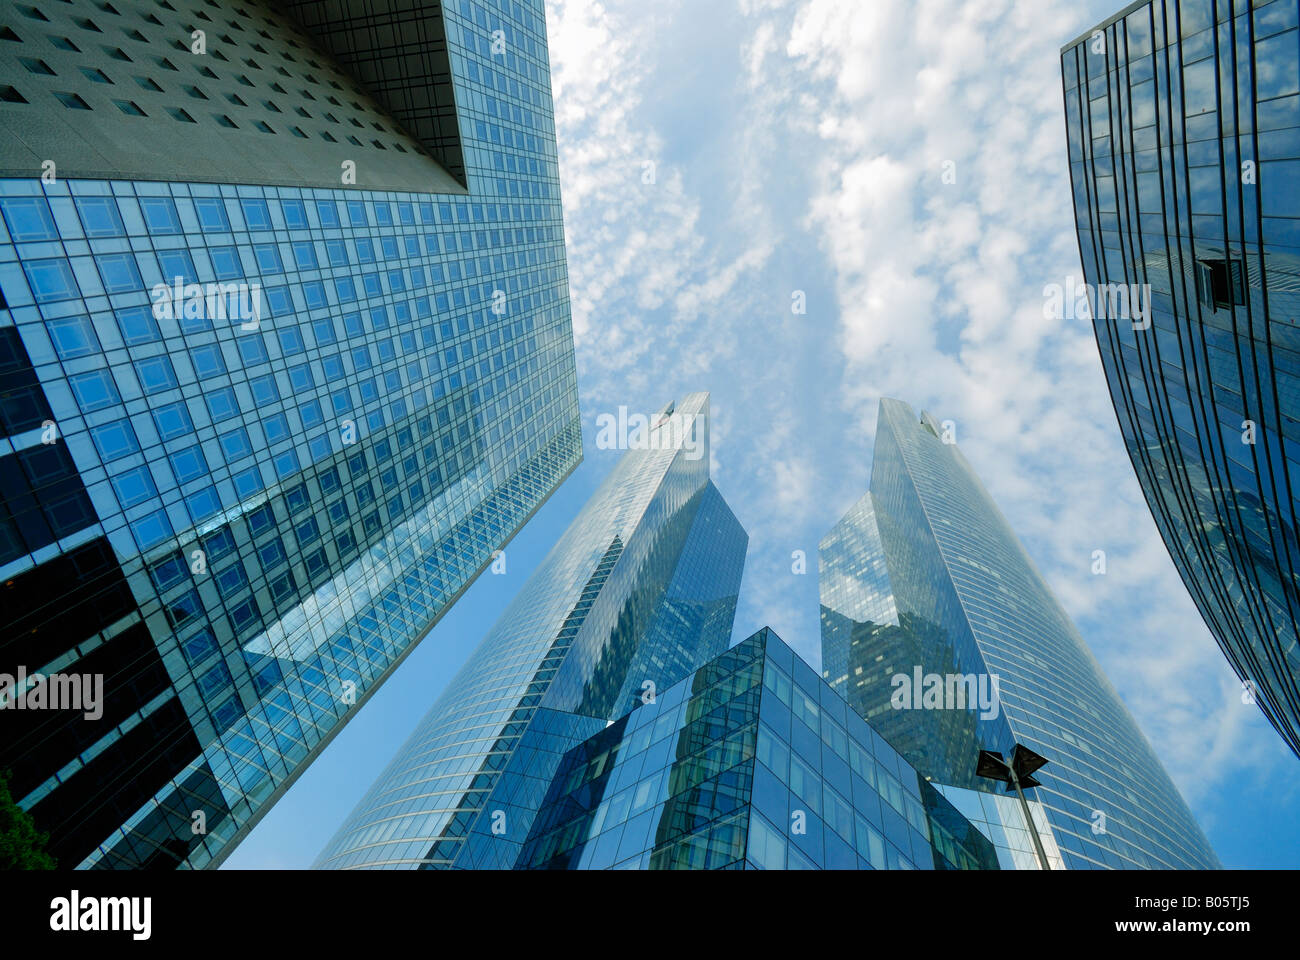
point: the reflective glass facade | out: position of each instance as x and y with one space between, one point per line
640 590
751 762
1184 136
926 576
244 521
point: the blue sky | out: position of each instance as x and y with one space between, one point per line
801 147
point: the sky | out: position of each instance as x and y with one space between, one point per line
723 161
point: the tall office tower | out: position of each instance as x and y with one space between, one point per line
1184 136
752 761
286 356
639 591
930 604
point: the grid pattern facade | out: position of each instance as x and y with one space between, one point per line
574 641
751 762
1184 137
246 523
953 560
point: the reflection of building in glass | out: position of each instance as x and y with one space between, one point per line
926 566
750 762
639 591
245 521
1186 173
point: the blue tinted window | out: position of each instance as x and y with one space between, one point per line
134 486
231 579
256 214
137 325
222 404
261 519
50 280
99 217
235 444
173 420
28 219
203 504
114 440
225 263
365 250
268 258
119 272
314 293
151 530
219 543
278 299
291 340
324 330
295 214
208 361
286 464
271 554
328 212
357 214
188 464
94 390
176 263
167 573
252 350
248 482
264 390
72 337
337 252
345 289
198 647
300 378
304 255
155 374
212 214
276 428
311 414
160 215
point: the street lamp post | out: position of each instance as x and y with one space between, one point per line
1016 775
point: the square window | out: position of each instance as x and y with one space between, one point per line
28 219
160 215
72 337
188 464
99 217
71 101
119 272
212 215
155 374
208 361
173 420
50 280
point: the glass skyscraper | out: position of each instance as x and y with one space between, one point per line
640 590
750 762
1183 122
937 629
285 356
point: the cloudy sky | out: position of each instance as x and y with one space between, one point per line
721 160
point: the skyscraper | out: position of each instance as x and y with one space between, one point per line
1182 122
750 762
639 591
285 356
937 628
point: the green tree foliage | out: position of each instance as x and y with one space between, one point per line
22 846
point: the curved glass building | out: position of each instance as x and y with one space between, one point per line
1183 121
940 632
